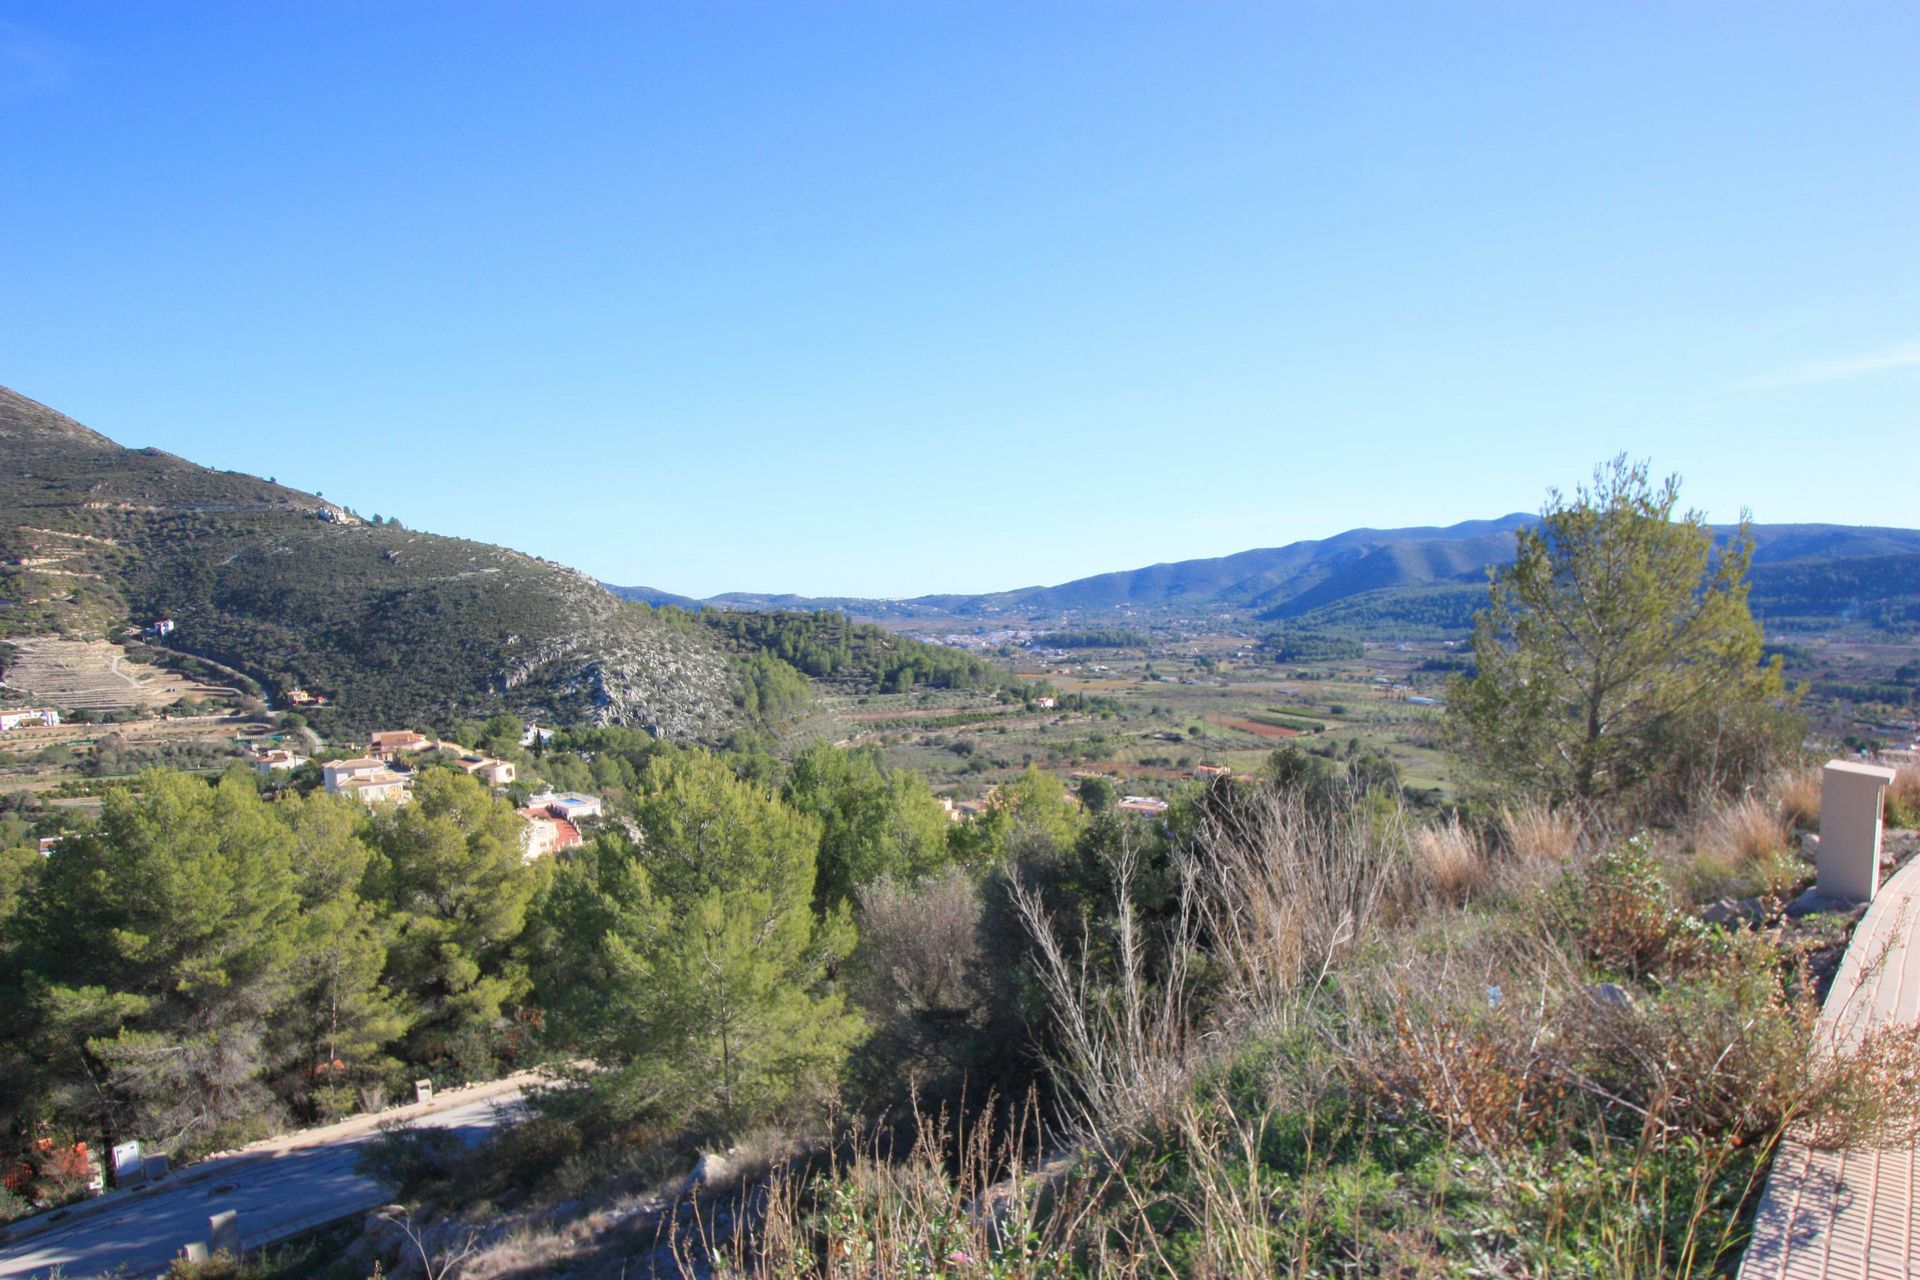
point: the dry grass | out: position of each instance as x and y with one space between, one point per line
1741 833
1449 863
1797 792
1538 835
528 1250
1739 847
962 1203
1126 1050
1285 890
1280 890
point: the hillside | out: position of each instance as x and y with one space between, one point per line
392 625
1417 579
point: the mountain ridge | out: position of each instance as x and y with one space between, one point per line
1299 579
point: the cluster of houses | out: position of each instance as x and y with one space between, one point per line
28 716
373 779
380 777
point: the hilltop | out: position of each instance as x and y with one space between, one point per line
97 540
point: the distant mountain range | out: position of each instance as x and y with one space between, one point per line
1422 578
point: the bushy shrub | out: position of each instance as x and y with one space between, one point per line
1903 798
1622 913
409 1160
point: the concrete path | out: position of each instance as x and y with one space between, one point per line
1852 1213
278 1188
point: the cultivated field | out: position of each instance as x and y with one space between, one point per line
77 757
1155 714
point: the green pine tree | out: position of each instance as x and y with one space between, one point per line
873 822
1617 660
448 873
712 1004
342 1016
161 951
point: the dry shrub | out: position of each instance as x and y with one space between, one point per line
1903 798
1721 1052
919 945
1278 889
1463 1035
1866 1093
1283 888
1797 792
1449 863
1735 1051
1124 1045
1477 1073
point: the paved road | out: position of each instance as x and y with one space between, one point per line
277 1192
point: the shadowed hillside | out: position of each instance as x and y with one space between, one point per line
393 625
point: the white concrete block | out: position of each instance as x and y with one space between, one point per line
1851 798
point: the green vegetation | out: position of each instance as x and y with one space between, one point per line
1618 657
1326 1016
1287 720
875 824
829 646
1095 638
1399 613
693 968
1313 646
209 962
1874 593
206 961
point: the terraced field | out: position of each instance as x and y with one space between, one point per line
95 675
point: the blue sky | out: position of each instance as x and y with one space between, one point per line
884 299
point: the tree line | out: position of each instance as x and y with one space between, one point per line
831 646
208 963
